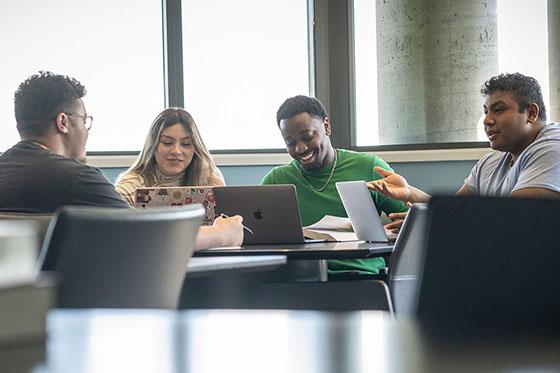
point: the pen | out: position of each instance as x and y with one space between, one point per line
243 225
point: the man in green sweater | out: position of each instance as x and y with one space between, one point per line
317 166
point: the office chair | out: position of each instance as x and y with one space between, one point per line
404 264
406 260
121 258
491 269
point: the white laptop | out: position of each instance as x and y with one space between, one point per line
362 212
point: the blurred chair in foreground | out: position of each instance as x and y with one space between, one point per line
120 257
491 269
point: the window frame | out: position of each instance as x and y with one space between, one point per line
330 28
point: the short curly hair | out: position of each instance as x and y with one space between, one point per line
526 90
301 104
41 97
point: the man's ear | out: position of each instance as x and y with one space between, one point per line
533 112
62 122
327 125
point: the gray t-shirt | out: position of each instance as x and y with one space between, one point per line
538 166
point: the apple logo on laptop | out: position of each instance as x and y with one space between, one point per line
257 214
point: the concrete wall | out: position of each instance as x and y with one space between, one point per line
433 56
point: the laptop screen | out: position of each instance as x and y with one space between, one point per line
270 211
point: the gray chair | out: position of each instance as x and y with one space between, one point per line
491 269
404 264
120 257
403 277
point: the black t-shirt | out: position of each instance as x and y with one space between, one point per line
36 180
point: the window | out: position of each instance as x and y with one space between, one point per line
242 59
365 65
113 47
524 49
416 82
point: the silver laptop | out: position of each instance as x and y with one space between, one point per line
270 211
361 210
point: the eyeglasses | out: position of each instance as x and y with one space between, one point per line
88 119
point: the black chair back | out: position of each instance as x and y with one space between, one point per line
491 268
120 257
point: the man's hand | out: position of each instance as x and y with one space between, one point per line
397 221
392 185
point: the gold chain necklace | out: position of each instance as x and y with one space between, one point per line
328 178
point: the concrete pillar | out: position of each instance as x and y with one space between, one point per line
461 53
554 59
400 71
433 56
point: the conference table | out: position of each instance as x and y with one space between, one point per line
305 262
307 251
204 266
271 341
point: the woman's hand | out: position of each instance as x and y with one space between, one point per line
224 232
230 229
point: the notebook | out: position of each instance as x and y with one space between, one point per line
270 211
362 212
178 196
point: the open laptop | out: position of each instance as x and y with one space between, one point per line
270 211
156 197
362 212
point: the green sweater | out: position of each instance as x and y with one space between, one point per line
313 205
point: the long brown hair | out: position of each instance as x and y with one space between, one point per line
145 164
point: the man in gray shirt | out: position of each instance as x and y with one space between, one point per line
526 157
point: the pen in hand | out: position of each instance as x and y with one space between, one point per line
243 225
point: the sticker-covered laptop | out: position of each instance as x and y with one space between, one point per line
178 196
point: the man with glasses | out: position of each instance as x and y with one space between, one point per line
46 169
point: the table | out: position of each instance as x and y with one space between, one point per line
203 266
310 251
308 261
273 341
305 262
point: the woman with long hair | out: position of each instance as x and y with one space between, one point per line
173 155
